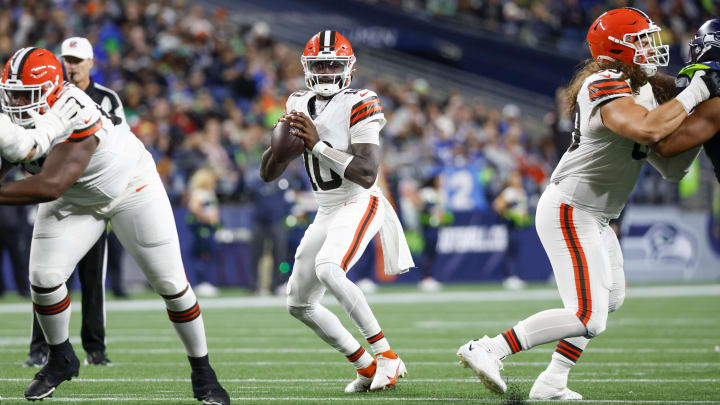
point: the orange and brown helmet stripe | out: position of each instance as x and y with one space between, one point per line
328 41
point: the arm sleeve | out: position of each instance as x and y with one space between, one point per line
368 132
675 168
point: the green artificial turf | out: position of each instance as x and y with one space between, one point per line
655 350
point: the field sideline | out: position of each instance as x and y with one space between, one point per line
662 347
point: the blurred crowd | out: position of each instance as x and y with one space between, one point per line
560 24
202 93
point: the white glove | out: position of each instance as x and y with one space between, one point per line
16 142
695 93
58 120
14 145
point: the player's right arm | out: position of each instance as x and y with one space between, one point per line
697 129
271 169
630 120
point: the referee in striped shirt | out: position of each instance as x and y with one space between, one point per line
77 55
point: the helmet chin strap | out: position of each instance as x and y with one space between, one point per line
326 89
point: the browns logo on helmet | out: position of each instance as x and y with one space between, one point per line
31 80
628 35
328 61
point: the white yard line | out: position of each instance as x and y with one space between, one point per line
120 340
399 350
404 381
366 398
395 298
412 363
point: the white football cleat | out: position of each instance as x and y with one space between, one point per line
387 373
553 387
359 384
477 355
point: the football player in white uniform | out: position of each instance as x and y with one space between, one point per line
341 130
617 117
88 171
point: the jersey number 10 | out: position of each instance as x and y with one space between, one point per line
335 179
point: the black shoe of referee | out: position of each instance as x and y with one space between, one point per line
62 365
97 358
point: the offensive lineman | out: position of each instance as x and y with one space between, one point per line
616 118
341 130
703 126
87 171
77 54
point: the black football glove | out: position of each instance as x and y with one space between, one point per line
686 74
712 81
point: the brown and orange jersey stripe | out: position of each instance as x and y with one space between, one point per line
364 109
604 88
82 133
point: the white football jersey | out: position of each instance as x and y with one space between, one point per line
339 124
600 168
119 157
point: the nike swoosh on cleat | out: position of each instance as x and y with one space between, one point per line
363 94
88 120
140 188
606 76
393 380
470 347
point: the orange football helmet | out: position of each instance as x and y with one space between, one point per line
31 80
328 61
628 35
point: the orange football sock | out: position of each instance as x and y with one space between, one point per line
368 371
389 354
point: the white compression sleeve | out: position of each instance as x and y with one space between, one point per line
337 160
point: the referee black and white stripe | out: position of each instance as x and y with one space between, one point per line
106 98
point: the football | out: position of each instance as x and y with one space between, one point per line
285 146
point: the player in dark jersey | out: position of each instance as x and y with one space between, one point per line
703 126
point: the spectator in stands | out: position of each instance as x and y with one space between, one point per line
512 206
433 215
143 51
203 218
270 232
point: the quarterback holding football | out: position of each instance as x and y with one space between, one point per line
340 128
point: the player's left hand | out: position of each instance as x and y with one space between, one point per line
304 128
